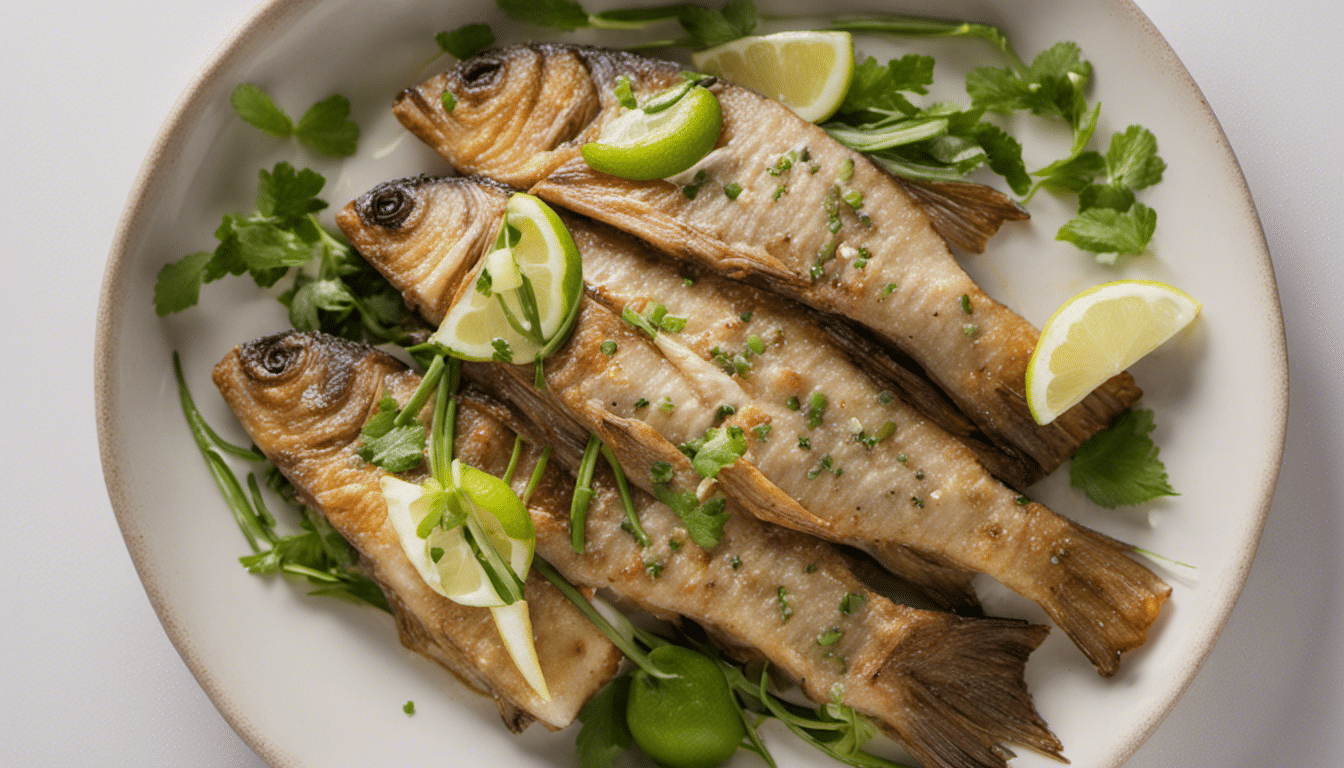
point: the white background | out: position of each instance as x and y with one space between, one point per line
87 675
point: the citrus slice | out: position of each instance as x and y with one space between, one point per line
643 145
444 558
534 257
1097 334
446 561
807 71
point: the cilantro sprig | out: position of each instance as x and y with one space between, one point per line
317 553
1119 466
326 128
333 289
704 27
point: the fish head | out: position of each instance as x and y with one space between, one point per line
425 234
303 394
518 113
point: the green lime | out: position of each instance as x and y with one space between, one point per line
522 298
639 144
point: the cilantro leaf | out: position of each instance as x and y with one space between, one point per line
1112 196
1132 159
704 521
256 107
709 27
326 128
561 15
179 283
1119 466
1004 155
721 448
394 448
330 295
605 733
877 89
466 41
1072 174
289 195
1111 232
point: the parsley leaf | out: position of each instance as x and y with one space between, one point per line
709 27
179 283
394 448
256 107
721 448
466 41
605 733
1120 467
326 128
561 15
1110 233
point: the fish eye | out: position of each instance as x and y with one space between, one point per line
387 206
277 359
479 72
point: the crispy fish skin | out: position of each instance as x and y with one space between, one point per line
778 233
915 492
949 689
303 399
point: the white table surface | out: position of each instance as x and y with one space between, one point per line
87 674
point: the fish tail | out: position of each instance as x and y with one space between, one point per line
1103 600
964 695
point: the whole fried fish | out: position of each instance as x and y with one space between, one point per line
950 689
910 494
814 220
303 399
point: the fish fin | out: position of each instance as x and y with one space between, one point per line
1103 600
623 205
964 693
946 585
963 213
1054 443
754 493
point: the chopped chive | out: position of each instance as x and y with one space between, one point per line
885 397
971 330
583 493
735 562
852 603
642 402
661 472
785 610
732 190
762 431
755 344
449 101
804 442
513 458
667 406
792 404
608 348
745 317
830 637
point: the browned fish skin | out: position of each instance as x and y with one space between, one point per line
918 494
774 234
964 674
303 399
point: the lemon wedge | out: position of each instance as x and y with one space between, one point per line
522 298
807 71
1097 334
658 140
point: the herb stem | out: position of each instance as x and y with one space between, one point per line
537 471
422 392
619 638
513 458
622 487
583 493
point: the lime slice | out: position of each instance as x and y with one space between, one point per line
493 318
446 562
1097 334
444 558
643 145
807 71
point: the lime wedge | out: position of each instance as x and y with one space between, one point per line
660 142
1097 334
807 71
522 297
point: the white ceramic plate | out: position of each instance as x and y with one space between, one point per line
318 682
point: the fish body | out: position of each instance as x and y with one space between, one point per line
303 399
827 451
814 221
950 689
